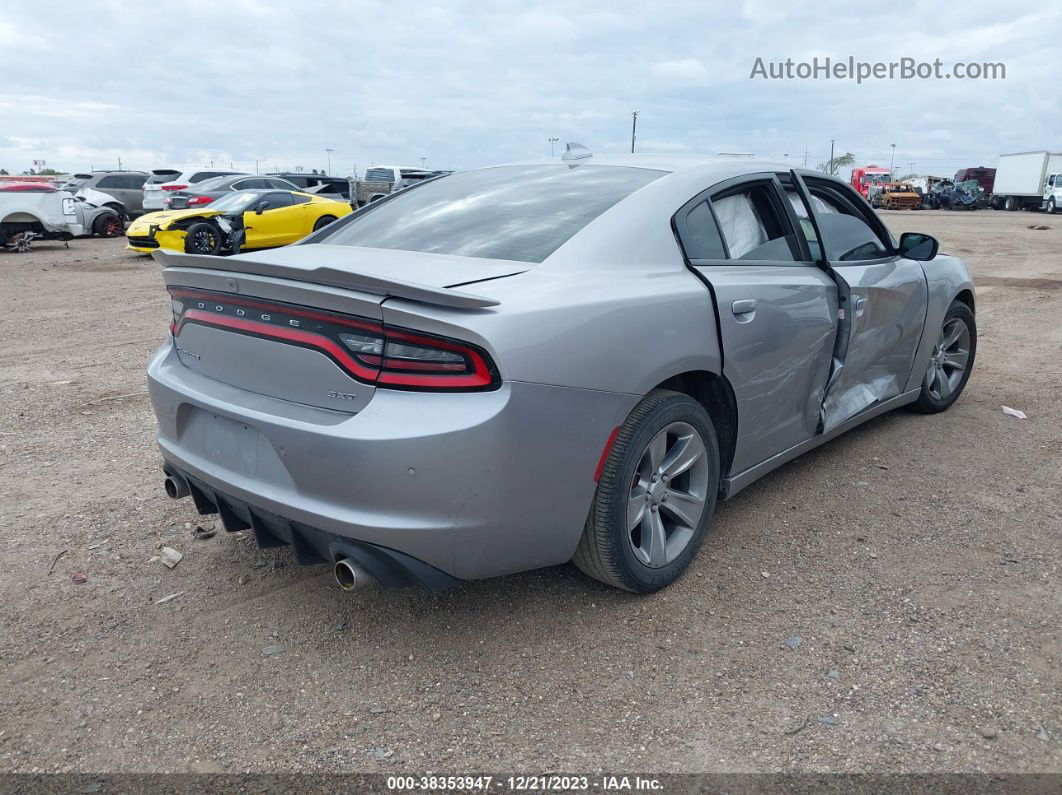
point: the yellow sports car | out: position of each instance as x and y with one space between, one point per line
244 220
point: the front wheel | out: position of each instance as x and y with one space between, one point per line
950 362
1051 206
108 225
655 497
202 238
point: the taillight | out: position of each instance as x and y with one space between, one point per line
194 200
367 350
174 187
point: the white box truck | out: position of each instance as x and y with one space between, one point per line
1029 180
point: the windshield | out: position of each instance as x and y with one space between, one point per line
234 202
522 213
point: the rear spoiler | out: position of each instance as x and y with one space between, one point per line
332 277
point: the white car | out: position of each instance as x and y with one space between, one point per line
31 212
167 179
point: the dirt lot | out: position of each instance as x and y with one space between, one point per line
895 593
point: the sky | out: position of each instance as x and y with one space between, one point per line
462 84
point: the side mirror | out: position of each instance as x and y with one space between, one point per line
915 245
261 207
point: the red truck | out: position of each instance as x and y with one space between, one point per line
865 176
985 177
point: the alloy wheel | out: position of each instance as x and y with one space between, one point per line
949 359
668 494
204 241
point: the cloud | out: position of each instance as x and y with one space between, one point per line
688 71
463 84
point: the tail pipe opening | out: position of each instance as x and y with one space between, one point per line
350 575
176 486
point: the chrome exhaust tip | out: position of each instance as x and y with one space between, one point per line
176 487
350 575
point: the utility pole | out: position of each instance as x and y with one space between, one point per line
634 129
423 162
892 160
830 170
805 157
255 166
330 151
552 141
119 164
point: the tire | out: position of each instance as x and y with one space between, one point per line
937 395
202 238
1051 210
1011 204
323 221
612 549
108 225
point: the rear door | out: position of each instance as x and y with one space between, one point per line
776 309
887 302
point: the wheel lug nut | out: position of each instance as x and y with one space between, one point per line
653 508
654 479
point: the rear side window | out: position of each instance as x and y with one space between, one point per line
701 237
752 226
110 181
521 213
132 181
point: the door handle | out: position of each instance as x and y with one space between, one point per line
744 306
860 303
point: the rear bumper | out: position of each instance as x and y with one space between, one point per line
310 545
472 484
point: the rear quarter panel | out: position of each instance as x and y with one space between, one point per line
612 330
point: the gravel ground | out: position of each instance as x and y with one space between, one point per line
889 602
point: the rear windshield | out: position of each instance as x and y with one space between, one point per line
521 213
159 179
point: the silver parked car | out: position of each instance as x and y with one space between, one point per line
518 366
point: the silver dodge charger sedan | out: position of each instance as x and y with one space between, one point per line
518 366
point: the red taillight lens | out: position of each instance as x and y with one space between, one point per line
174 187
194 200
366 349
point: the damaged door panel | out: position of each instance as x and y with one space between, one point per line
776 312
882 299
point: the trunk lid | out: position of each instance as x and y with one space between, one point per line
287 322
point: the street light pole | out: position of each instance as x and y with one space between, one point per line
551 142
330 151
634 129
892 161
830 171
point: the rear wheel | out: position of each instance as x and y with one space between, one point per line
950 362
202 238
655 498
323 221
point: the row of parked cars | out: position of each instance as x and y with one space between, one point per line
103 202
